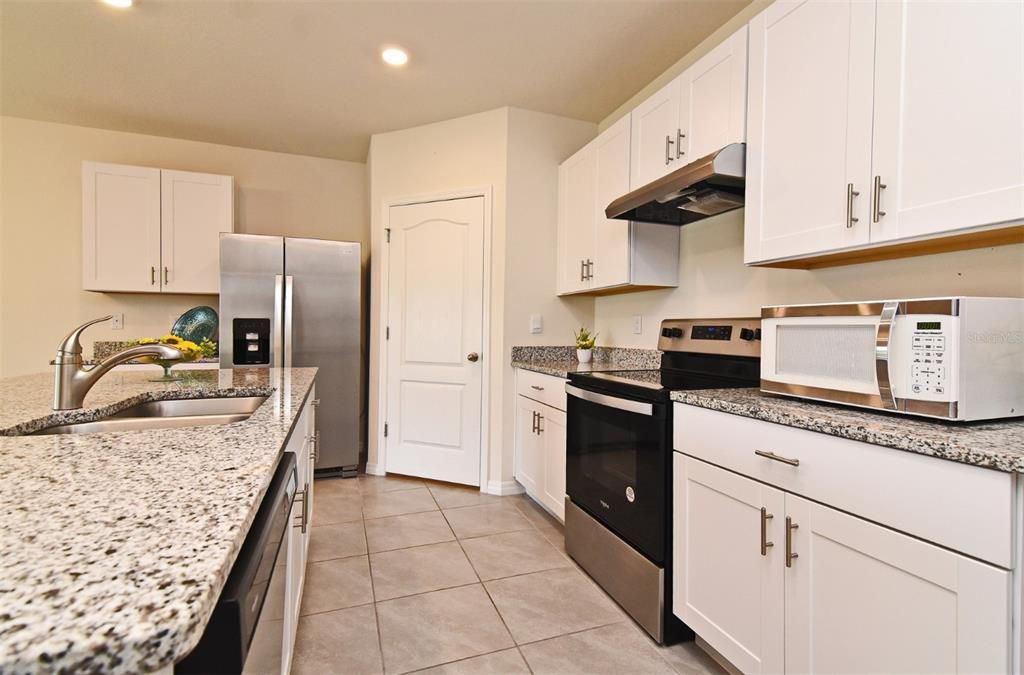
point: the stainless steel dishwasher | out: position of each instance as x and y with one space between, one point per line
245 633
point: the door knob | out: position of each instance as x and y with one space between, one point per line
473 356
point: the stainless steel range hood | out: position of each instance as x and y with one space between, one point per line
706 187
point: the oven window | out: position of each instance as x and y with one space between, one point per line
617 470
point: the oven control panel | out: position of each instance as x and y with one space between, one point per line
735 337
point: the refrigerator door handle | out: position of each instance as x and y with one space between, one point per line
276 345
288 297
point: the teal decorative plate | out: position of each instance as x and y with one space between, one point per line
197 324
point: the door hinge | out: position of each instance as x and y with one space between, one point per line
387 233
385 430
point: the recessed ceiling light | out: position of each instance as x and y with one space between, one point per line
395 56
120 4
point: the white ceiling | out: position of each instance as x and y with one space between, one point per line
305 76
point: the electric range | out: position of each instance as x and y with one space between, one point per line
619 461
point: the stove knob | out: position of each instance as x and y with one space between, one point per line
746 334
666 332
676 332
757 333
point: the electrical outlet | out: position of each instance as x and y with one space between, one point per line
536 323
638 324
117 323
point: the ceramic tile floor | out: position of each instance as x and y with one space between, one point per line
407 575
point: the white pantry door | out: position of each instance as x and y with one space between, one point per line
435 348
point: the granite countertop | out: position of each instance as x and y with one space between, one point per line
561 361
114 547
995 445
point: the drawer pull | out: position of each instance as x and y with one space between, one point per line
778 458
533 386
765 544
790 556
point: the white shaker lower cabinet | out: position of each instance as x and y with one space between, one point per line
297 543
778 583
863 598
540 439
726 587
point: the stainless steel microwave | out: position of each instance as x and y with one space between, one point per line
953 358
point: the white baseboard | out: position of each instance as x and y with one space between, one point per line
503 488
374 469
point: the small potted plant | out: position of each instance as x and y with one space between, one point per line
190 352
584 345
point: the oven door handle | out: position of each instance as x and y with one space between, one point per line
611 401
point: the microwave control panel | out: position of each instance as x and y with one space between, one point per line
930 364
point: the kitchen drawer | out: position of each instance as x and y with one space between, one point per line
965 508
540 387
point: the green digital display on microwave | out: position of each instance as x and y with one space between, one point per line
929 325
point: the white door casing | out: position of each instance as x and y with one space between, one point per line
435 322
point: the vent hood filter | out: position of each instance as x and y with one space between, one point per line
711 185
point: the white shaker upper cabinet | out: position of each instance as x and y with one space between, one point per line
654 136
610 264
809 127
577 195
713 103
196 208
120 228
949 100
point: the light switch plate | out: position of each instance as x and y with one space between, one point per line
536 323
117 323
638 324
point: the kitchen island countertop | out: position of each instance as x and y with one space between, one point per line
995 444
114 547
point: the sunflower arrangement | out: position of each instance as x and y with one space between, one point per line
190 351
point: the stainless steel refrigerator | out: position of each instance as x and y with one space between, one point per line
290 302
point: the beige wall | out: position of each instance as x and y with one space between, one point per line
714 282
515 154
40 241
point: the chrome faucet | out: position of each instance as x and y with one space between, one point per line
72 382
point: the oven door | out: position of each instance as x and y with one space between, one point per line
617 465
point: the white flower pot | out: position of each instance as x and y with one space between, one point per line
584 355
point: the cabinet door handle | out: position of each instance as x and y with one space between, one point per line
850 194
590 269
533 386
778 458
304 516
583 270
790 556
765 544
876 199
679 143
540 429
165 275
533 429
152 276
668 149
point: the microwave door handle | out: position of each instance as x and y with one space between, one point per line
883 337
611 401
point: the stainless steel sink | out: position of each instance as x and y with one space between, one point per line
166 415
